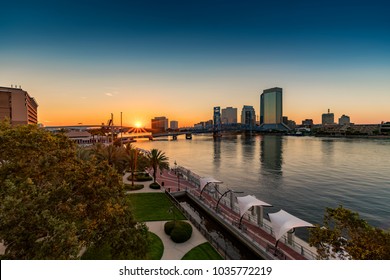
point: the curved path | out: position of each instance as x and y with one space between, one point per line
172 250
172 183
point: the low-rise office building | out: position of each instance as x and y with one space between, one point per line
18 106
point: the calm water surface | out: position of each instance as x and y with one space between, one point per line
302 175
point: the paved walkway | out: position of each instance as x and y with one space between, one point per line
254 232
172 250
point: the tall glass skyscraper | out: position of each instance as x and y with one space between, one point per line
271 109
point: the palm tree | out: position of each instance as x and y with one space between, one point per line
114 156
135 160
84 154
157 160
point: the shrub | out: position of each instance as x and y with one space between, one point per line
181 232
129 187
140 177
155 186
168 227
143 178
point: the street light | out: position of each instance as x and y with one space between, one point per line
228 191
178 181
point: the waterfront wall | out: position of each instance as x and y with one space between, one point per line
254 217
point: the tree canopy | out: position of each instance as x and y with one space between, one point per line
346 236
157 160
54 205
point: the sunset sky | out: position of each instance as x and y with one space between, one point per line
83 60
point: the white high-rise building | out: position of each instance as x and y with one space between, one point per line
343 120
248 115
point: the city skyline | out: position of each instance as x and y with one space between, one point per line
148 58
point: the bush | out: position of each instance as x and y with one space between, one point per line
155 186
129 187
140 177
168 227
143 176
180 232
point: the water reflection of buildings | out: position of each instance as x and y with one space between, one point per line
217 152
248 147
327 150
271 155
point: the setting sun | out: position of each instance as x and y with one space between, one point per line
138 125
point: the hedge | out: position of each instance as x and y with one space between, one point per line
179 231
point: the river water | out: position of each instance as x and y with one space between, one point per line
301 175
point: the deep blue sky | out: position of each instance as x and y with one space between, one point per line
320 52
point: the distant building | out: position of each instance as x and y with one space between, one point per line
174 125
271 109
290 123
343 120
327 118
159 124
248 115
229 115
217 118
18 106
307 122
204 125
384 128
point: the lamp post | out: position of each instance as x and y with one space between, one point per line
121 131
225 193
178 181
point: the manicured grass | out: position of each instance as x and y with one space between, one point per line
202 252
153 207
129 187
156 250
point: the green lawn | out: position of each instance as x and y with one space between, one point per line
156 248
153 207
155 252
202 252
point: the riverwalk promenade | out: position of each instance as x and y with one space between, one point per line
257 236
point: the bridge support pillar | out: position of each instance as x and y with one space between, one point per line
174 137
188 136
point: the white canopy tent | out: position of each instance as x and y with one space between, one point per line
205 181
282 222
246 202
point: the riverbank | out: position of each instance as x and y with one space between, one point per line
258 235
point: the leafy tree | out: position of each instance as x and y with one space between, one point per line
157 160
54 205
346 236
